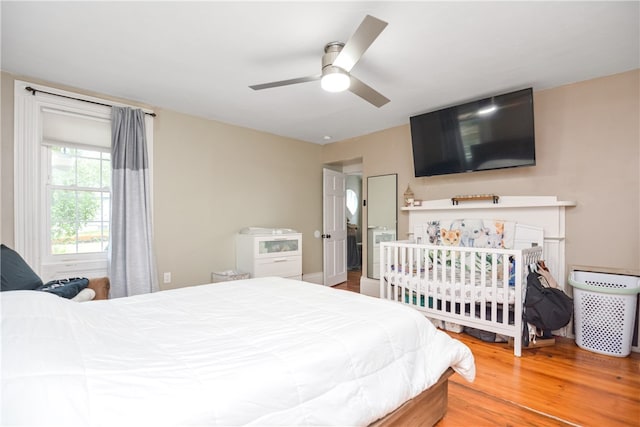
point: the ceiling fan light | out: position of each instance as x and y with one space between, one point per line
335 80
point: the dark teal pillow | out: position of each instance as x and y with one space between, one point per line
16 275
66 288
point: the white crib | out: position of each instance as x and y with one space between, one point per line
474 287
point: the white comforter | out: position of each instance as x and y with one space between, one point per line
261 352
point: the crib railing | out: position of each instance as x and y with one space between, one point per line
478 287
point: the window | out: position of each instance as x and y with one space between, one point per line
75 190
352 201
78 200
62 182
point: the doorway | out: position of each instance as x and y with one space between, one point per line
354 222
353 217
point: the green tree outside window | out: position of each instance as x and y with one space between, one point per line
79 200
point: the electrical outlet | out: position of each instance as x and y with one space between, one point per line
167 277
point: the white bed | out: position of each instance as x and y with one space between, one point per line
266 351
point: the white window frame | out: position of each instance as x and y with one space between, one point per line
29 204
49 259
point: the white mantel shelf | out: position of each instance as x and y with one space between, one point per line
544 212
505 202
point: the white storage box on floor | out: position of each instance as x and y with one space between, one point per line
228 275
604 311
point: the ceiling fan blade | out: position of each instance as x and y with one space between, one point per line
286 82
367 93
367 32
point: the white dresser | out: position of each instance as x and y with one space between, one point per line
266 252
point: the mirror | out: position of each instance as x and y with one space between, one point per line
382 212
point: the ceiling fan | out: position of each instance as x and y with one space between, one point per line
338 60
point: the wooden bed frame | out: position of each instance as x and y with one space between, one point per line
426 409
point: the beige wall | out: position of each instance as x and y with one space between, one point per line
587 150
210 180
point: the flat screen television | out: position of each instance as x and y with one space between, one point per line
490 133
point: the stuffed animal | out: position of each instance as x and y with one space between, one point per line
495 241
482 241
477 233
470 229
433 231
450 237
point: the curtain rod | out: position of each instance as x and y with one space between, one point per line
30 89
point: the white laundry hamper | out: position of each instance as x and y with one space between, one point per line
604 311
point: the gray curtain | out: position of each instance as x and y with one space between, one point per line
132 269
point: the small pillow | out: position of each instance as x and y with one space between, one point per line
16 275
66 288
86 294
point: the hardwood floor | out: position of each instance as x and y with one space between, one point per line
353 281
560 385
557 385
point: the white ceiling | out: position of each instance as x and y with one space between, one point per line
200 57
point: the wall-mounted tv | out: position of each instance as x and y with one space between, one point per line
490 133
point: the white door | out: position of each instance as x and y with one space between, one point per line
334 227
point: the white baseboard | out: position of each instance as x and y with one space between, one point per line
317 278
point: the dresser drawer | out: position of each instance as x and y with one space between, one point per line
282 267
278 246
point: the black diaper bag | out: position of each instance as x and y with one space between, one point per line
546 308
